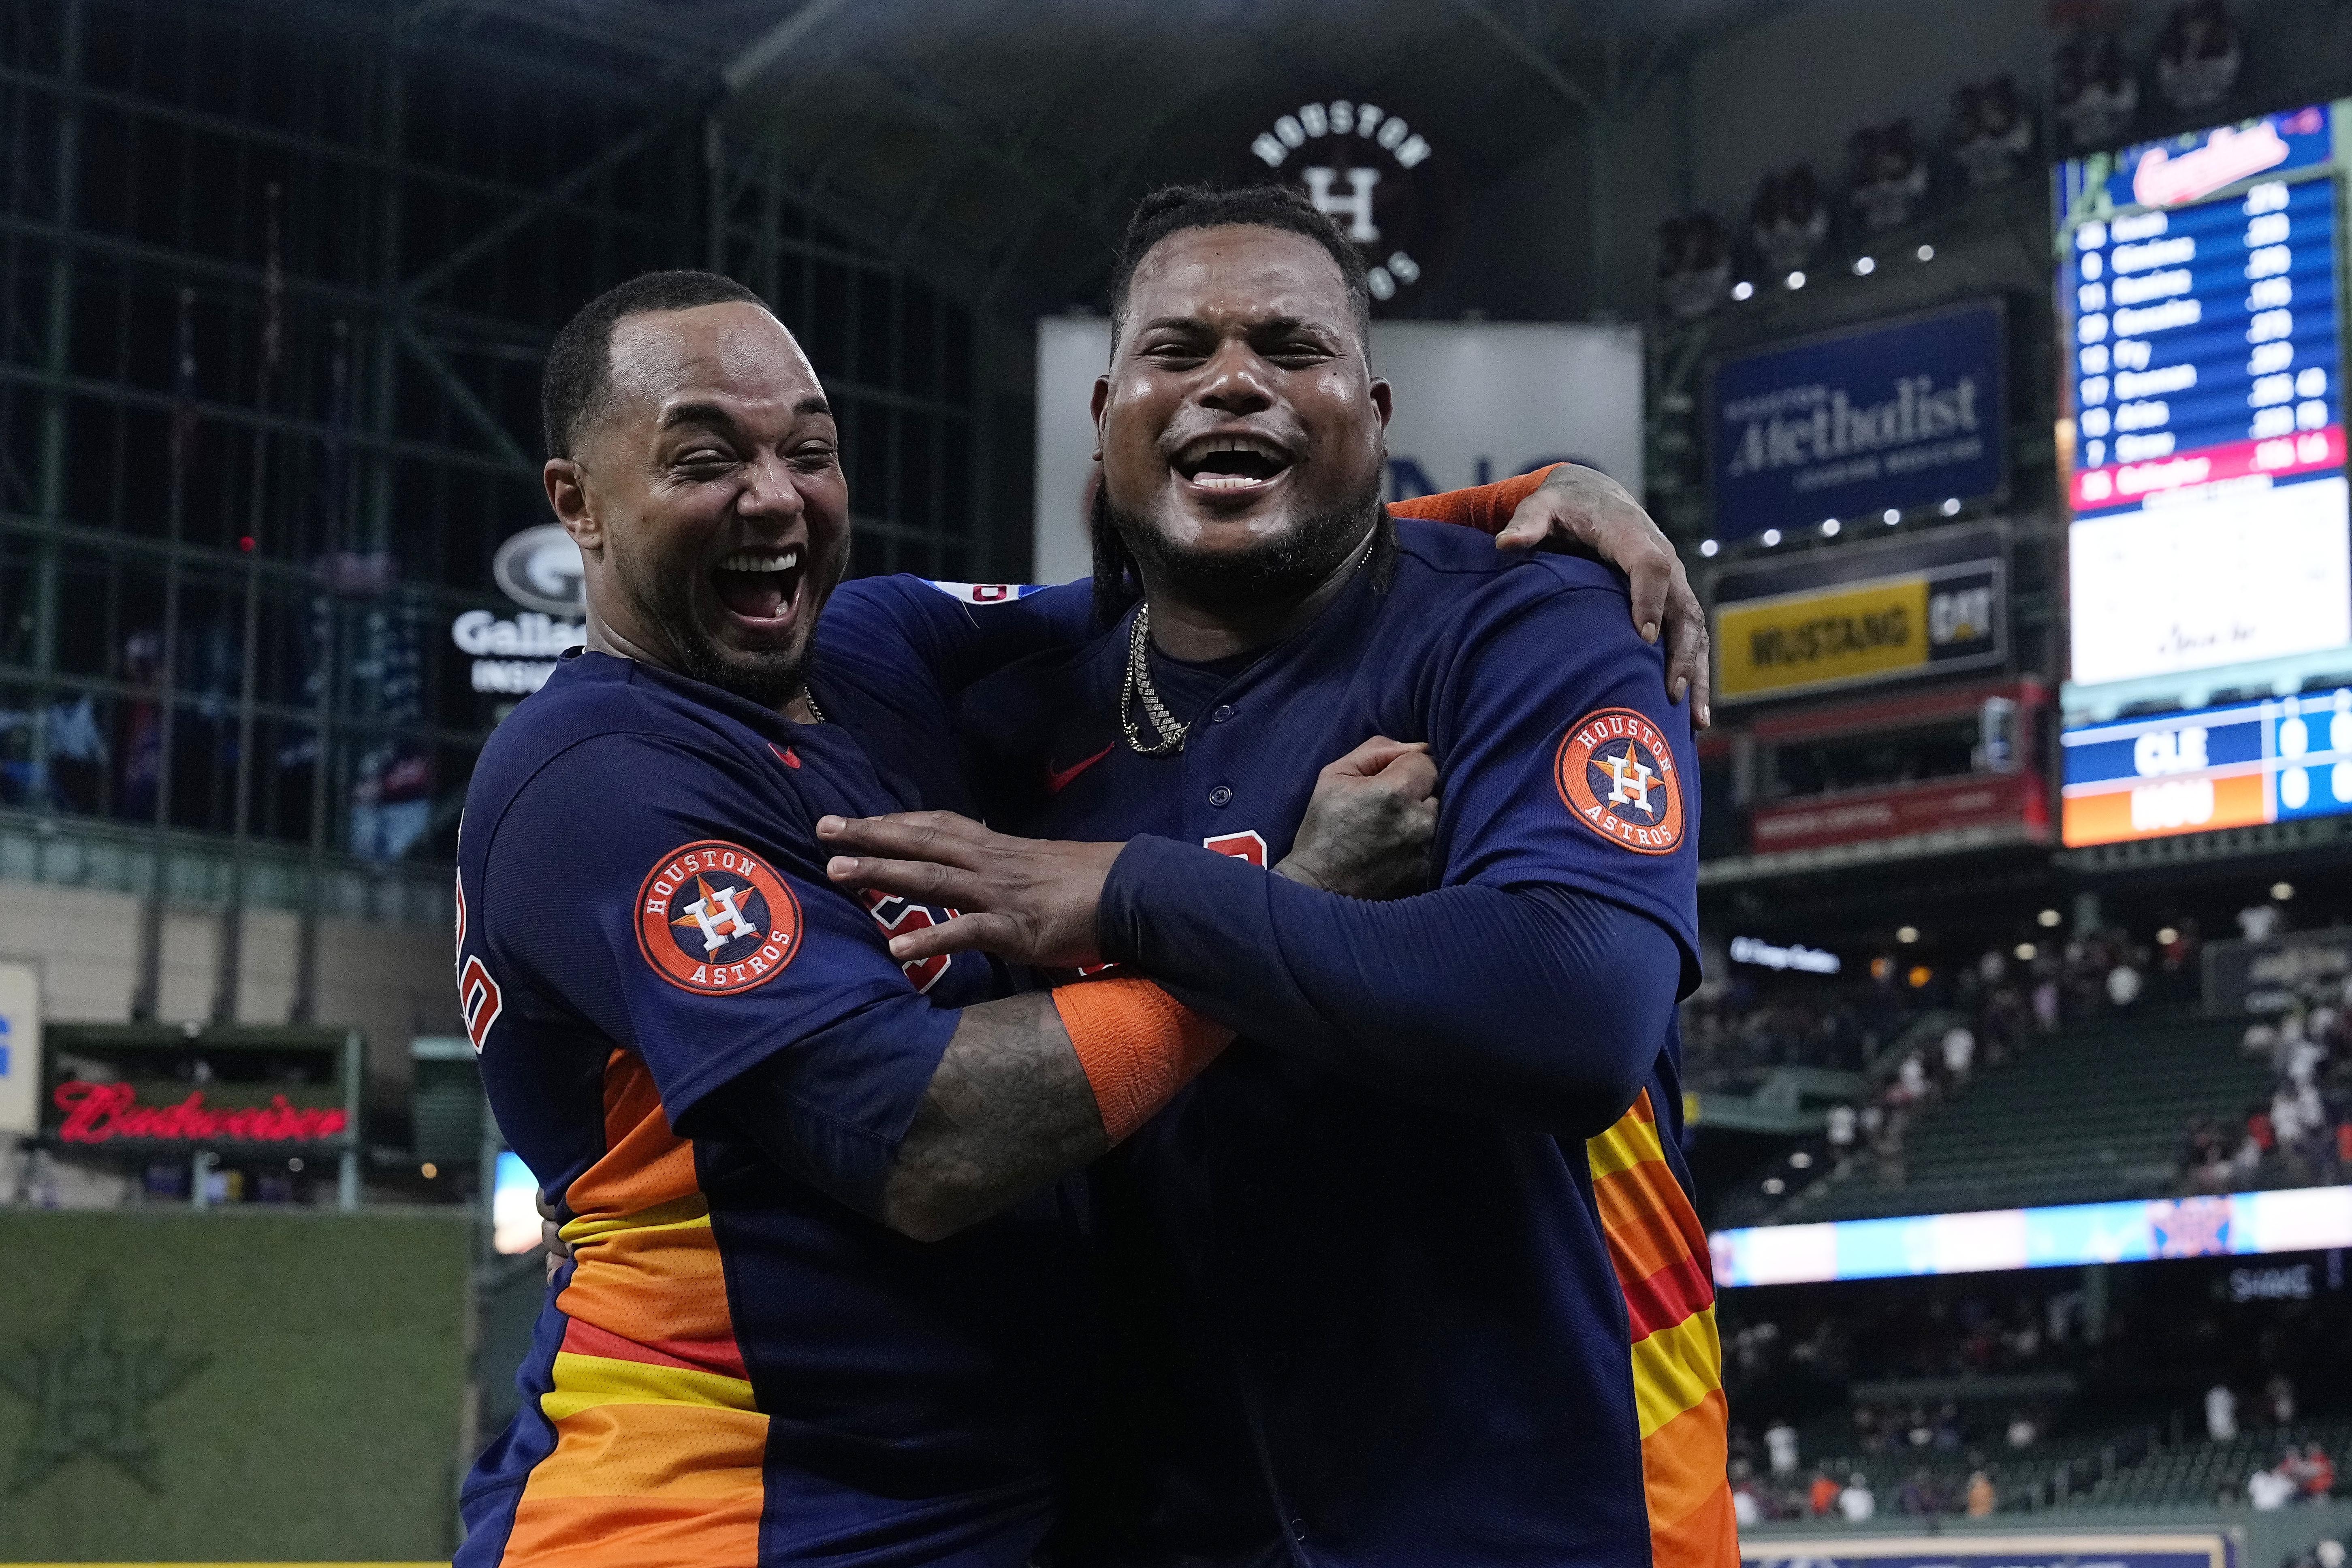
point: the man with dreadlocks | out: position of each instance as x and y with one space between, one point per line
1412 1274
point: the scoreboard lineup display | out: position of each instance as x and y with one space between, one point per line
2199 295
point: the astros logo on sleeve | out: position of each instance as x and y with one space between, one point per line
712 917
1617 773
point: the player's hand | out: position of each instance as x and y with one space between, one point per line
1368 827
550 1237
1031 900
1585 511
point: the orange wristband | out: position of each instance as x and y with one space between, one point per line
1487 508
1138 1045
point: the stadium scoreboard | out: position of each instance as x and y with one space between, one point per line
2201 300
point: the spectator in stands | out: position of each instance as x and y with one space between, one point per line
2270 1489
2220 1412
2279 1395
1959 1050
1991 137
1694 266
1889 177
2123 985
1857 1502
1788 221
1917 1495
1781 1444
1743 1507
1823 1496
2258 922
2045 1001
1912 1075
1842 1121
2022 1431
2199 58
2096 97
1982 1499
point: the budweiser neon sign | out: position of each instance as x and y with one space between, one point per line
99 1112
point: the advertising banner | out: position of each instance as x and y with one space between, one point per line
1899 415
1475 402
2209 1549
2278 975
1935 605
2060 1236
20 1048
2013 800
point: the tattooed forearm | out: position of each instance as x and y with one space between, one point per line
1008 1110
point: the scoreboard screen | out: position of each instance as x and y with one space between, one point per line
2211 547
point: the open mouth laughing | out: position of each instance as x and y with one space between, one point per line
1231 465
761 587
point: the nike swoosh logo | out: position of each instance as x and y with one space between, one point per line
1058 779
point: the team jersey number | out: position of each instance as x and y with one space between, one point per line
1249 847
899 917
478 1001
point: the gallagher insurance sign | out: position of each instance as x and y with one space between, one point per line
1894 417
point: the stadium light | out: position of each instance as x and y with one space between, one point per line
2026 953
1801 1161
1772 537
1891 516
2282 891
1951 506
1907 935
1796 279
1708 547
1830 526
2048 919
1743 290
1864 266
1926 253
1774 1186
2166 937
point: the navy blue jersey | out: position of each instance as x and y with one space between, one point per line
739 1366
1394 1308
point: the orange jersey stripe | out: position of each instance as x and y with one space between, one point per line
1642 1209
645 1486
1659 1250
659 1448
1684 1462
1706 1537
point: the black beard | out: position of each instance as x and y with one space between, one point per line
768 680
1277 572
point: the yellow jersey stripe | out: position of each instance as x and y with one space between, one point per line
585 1382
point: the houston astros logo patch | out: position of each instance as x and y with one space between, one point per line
713 916
1617 775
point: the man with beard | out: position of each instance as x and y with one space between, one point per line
1414 1267
754 1119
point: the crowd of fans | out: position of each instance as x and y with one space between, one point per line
2301 1135
1969 1393
2095 103
1739 1024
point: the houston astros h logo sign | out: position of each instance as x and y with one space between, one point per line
1616 773
1336 151
713 916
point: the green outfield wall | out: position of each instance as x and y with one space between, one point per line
230 1386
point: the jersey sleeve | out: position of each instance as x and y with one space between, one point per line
668 898
1569 890
1487 508
1561 761
951 634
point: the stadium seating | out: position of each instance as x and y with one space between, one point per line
2087 1115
